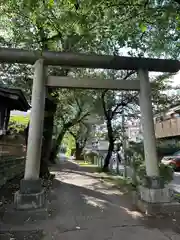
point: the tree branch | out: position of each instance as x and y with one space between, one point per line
78 104
103 103
55 37
123 104
84 116
106 113
74 136
62 119
129 74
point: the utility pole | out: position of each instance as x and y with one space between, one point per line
124 140
124 143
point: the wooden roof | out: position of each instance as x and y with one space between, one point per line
13 99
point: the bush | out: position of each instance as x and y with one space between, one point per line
15 127
138 165
167 148
166 172
164 148
90 156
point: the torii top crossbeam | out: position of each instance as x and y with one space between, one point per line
10 55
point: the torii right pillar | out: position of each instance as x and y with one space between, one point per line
152 191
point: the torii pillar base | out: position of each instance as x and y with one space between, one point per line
30 196
155 202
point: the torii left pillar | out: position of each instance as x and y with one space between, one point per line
31 194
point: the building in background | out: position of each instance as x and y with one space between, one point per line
167 124
134 131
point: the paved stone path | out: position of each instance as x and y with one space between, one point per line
83 207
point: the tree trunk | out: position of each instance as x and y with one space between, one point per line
50 109
108 156
48 137
44 171
111 145
56 146
78 152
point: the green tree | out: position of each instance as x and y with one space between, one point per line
41 25
127 103
144 27
69 143
114 103
81 133
74 106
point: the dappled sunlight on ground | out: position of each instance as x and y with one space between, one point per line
134 214
82 206
102 204
106 195
95 202
94 181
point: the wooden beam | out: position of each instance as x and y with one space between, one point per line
89 83
80 60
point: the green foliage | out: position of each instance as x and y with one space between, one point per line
22 120
81 132
163 148
17 124
166 172
138 165
15 127
167 148
69 142
146 27
143 27
90 156
74 106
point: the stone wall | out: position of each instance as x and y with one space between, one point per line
10 167
12 157
8 149
12 145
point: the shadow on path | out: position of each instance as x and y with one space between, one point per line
82 207
95 198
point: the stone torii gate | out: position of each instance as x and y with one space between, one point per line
31 194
